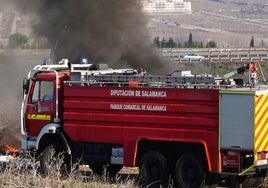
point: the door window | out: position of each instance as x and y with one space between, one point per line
35 93
46 91
43 91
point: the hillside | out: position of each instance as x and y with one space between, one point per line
230 23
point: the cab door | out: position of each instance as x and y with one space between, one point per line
40 108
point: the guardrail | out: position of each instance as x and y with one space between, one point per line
216 54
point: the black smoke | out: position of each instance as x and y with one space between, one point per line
105 31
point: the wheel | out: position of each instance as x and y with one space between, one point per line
189 172
153 170
53 158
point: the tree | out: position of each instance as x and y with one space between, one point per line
211 44
251 44
163 43
190 41
262 43
157 42
18 40
197 44
171 43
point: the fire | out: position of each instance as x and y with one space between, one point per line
9 148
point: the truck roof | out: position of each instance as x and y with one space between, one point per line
94 74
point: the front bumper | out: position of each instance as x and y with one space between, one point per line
28 143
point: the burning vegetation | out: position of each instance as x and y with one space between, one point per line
9 140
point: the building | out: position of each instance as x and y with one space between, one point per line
166 6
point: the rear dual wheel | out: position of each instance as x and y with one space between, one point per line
189 172
154 170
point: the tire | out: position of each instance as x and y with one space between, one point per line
189 172
53 158
153 170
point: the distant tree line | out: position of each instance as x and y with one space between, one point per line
170 43
18 40
190 43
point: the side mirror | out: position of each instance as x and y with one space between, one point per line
26 84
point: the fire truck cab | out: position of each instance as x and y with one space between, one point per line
186 128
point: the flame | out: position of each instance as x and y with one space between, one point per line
9 148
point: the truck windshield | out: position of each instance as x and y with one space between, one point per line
43 91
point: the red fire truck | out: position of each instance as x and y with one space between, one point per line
186 128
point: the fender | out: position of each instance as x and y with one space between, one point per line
53 128
201 142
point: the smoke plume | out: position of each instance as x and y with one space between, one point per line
105 31
14 66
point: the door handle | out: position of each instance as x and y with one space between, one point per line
36 107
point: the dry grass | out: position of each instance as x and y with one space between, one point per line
18 175
24 173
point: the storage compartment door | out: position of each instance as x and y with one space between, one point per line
236 120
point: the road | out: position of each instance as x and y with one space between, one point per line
216 55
